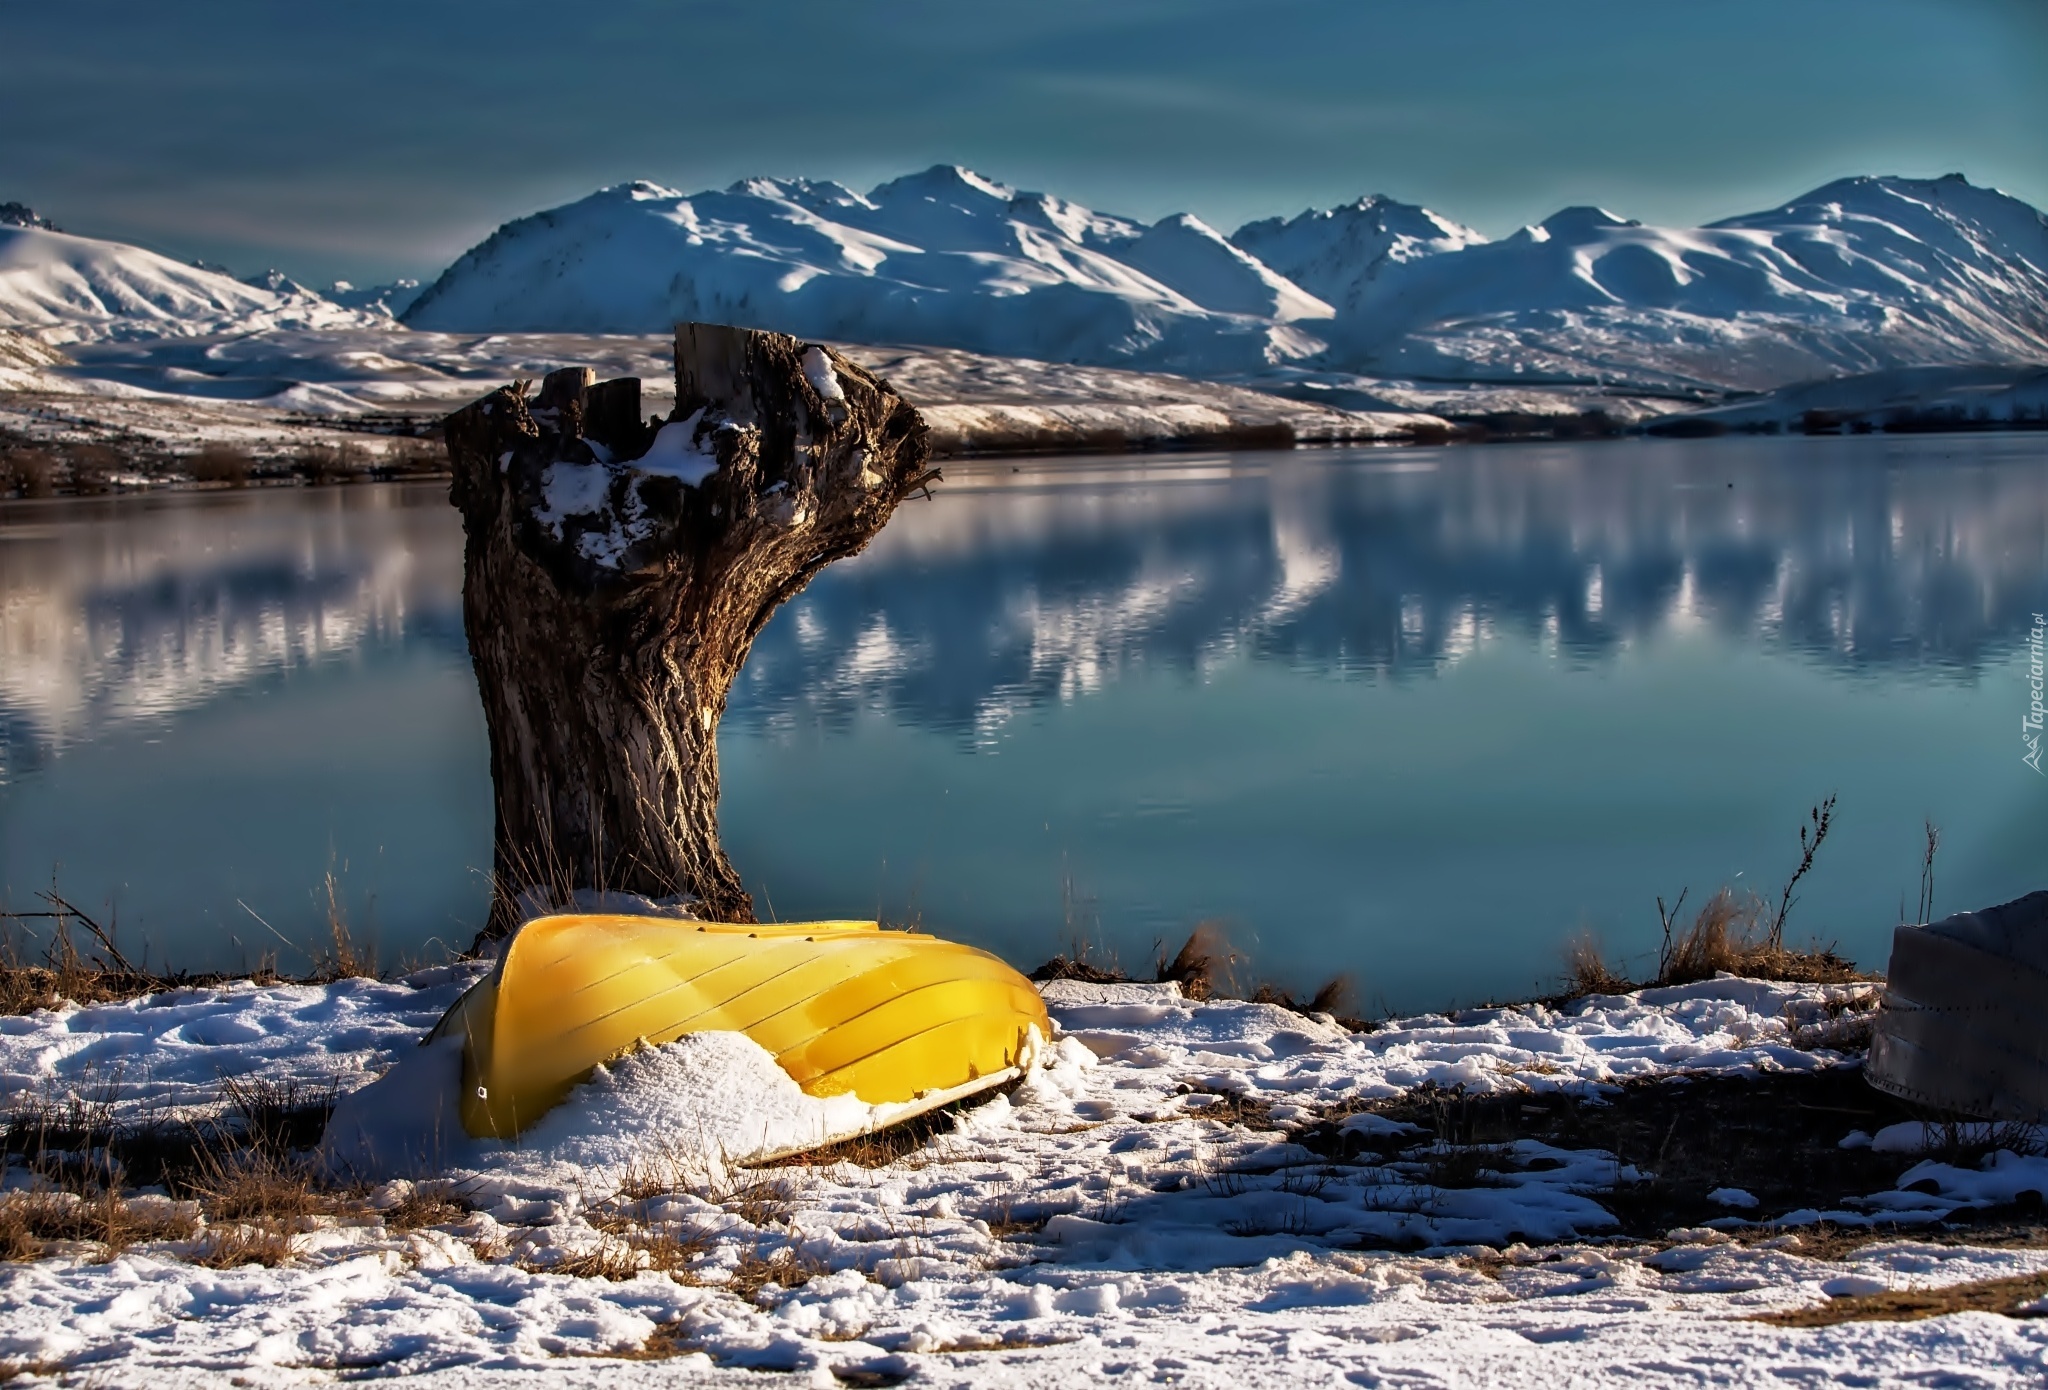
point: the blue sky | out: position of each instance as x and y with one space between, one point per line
379 137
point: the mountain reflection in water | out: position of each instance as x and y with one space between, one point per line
1026 587
1417 714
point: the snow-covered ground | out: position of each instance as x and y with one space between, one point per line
275 390
1906 397
1150 1205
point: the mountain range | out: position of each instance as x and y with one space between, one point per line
1861 275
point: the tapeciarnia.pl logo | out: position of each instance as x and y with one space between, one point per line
2030 727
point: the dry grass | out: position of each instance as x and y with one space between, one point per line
1729 934
28 1220
1231 1108
96 972
245 1243
1205 967
344 959
1741 934
2007 1296
666 1342
418 1210
786 1268
1586 970
1204 962
1333 996
764 1204
992 1341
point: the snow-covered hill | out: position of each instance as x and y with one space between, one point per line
59 288
944 258
1373 305
1861 275
1337 253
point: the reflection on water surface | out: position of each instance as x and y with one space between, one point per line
1419 714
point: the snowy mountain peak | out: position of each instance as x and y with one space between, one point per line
1949 215
1575 222
61 289
277 282
1335 253
949 184
944 257
815 194
1188 255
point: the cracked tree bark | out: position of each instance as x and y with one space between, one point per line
615 575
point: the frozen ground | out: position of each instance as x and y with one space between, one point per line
1185 1193
275 390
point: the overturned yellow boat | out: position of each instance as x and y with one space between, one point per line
900 1019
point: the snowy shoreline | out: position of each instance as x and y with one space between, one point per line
1201 1191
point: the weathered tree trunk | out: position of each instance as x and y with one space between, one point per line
616 574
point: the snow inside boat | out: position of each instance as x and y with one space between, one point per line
901 1020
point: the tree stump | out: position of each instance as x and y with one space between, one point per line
615 574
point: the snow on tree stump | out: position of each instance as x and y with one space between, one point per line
617 571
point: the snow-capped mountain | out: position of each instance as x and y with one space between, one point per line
60 288
1861 275
1366 303
944 257
1337 253
393 297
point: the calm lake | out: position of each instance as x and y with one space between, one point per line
1418 715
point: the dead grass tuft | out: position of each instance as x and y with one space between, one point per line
665 1343
265 1243
2008 1296
1204 963
767 1203
344 959
1332 997
1586 970
1741 934
786 1268
418 1210
1233 1108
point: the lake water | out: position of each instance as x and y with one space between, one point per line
1418 715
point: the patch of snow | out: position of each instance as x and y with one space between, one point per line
571 489
1733 1197
677 454
1174 1246
819 372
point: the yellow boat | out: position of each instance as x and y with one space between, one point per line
899 1019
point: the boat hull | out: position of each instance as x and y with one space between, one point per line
902 1020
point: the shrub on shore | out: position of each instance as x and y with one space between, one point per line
28 472
220 463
